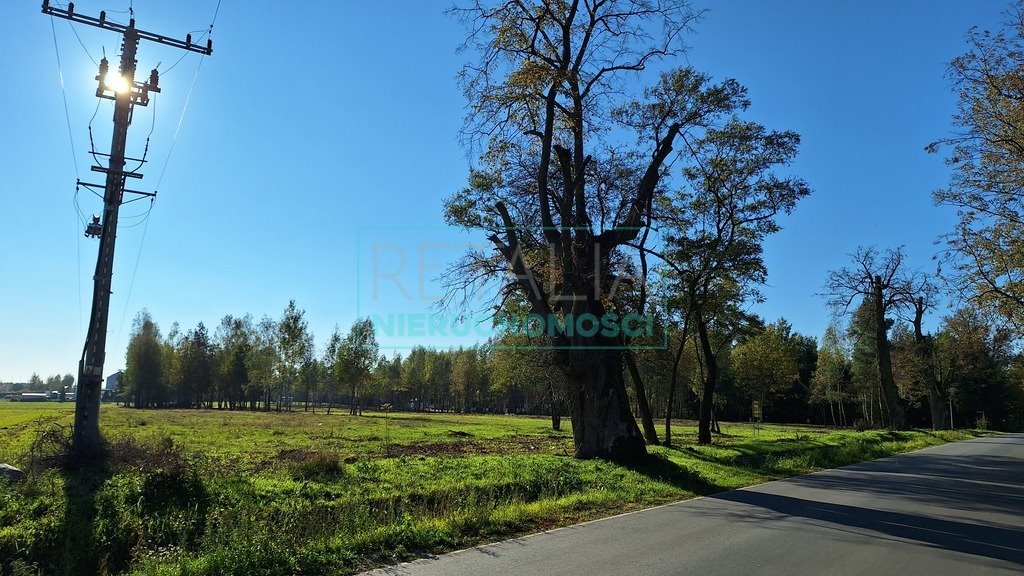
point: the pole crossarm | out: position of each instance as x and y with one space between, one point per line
102 22
92 186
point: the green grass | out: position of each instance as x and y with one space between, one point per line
210 492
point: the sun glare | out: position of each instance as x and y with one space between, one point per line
116 82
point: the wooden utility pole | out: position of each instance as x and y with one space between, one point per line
126 94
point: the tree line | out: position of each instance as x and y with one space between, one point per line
54 382
970 377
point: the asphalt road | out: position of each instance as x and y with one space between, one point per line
957 509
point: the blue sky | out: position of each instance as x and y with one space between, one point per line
322 131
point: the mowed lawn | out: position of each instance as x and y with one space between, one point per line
193 492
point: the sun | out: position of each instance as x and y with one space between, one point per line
116 82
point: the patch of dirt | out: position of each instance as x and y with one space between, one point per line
432 449
511 445
296 455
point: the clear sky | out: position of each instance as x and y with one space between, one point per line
321 137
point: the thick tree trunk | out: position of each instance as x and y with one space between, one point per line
710 378
646 418
889 395
602 425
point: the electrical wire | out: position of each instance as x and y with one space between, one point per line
135 270
79 226
204 34
181 119
145 151
145 222
92 144
163 171
74 160
82 44
75 30
64 95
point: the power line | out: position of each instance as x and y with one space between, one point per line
181 119
145 228
163 170
185 55
215 12
64 95
80 43
80 218
135 271
78 261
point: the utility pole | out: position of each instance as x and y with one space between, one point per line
126 94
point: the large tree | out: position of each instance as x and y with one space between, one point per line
986 154
332 365
144 369
976 353
884 286
716 227
922 298
296 349
235 343
357 356
197 353
262 360
832 377
559 190
765 363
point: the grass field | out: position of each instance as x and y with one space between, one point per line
241 493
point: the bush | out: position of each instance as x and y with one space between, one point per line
860 425
981 423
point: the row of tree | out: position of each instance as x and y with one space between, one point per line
245 364
54 382
965 374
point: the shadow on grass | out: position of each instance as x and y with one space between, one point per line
63 543
105 515
77 550
785 457
661 469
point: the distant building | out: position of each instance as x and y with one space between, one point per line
114 381
113 385
33 397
